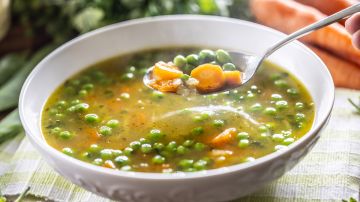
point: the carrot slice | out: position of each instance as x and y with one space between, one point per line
211 77
224 137
109 164
166 71
233 78
166 85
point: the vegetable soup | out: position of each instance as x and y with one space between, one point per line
107 116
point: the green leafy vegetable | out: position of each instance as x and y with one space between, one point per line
10 126
9 92
9 64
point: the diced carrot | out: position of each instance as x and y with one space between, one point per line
211 77
166 85
233 78
92 133
224 137
165 71
109 164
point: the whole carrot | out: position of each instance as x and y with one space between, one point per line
289 16
327 7
344 73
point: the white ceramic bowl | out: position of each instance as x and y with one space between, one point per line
203 31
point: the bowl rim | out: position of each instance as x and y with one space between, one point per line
181 175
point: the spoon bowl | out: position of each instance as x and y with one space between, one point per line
249 64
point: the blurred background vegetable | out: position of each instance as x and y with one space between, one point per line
39 26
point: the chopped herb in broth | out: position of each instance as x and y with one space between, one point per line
106 116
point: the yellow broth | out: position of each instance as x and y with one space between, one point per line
105 115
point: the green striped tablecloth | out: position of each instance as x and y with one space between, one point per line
331 171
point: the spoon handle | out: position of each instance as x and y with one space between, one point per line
315 26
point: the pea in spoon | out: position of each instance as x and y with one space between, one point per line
249 64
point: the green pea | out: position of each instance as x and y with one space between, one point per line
243 143
292 91
157 159
171 146
105 130
199 146
125 96
181 149
186 163
256 107
98 74
135 145
128 151
282 104
276 97
65 135
275 76
75 102
157 94
281 83
159 146
288 141
270 111
197 131
55 130
94 148
206 56
53 111
85 155
146 148
75 82
280 147
299 117
222 56
116 152
185 77
189 169
71 109
113 123
254 88
92 118
180 61
200 164
229 67
98 162
155 134
242 135
81 107
131 69
250 95
68 151
127 76
106 154
126 168
218 123
278 137
122 160
188 143
59 116
192 59
249 159
61 104
144 141
88 86
299 106
83 93
263 129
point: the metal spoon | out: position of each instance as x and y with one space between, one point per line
249 64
